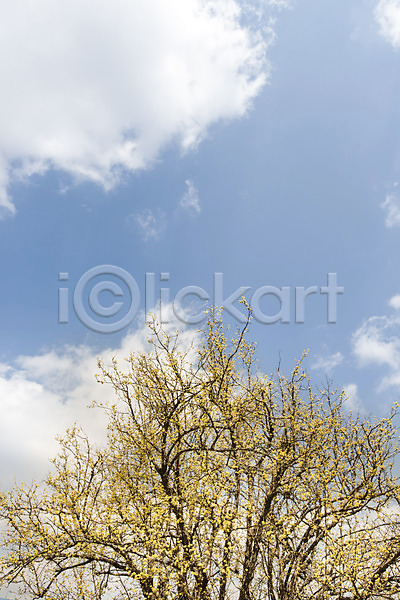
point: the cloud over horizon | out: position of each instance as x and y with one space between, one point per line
44 394
96 89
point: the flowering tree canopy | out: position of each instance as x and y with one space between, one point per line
215 483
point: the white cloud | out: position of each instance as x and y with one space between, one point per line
34 410
391 206
151 226
42 395
387 14
328 363
352 400
95 87
377 342
190 199
395 302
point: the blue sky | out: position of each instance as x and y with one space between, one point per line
259 140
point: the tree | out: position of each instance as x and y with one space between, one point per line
215 482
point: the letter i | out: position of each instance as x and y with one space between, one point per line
63 296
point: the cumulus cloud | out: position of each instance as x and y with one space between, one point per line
352 400
387 14
96 88
190 199
42 395
377 342
391 207
34 409
395 302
